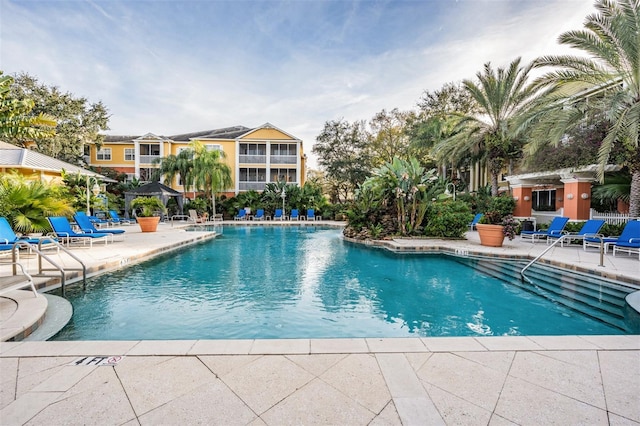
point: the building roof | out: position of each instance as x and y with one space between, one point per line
15 157
224 133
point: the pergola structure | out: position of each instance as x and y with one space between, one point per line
152 189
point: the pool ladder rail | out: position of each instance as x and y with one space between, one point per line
561 239
42 271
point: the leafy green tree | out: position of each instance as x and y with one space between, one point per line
78 121
611 71
344 154
17 119
27 203
504 98
388 136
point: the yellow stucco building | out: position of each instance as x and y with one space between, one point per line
256 156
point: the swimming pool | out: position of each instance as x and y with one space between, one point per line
305 282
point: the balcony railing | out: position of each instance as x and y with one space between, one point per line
255 186
148 159
253 159
284 159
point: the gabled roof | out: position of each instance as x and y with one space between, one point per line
15 157
267 126
224 133
153 188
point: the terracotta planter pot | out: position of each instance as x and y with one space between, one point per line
490 235
148 224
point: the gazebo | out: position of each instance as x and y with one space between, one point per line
152 189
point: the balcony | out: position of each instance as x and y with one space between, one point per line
284 159
148 159
255 186
253 159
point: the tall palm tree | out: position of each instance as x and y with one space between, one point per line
611 39
181 164
492 134
16 120
210 173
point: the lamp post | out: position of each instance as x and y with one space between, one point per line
283 195
454 190
95 190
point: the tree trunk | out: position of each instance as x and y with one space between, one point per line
634 196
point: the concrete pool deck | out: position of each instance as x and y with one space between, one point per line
423 381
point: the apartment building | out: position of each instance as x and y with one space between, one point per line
256 156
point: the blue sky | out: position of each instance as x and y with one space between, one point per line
174 66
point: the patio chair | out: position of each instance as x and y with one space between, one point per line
311 214
193 215
278 215
115 218
555 228
590 228
242 215
474 222
97 221
629 236
62 229
8 237
85 224
294 214
259 215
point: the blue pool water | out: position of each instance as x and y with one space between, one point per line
305 282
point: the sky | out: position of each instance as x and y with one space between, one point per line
176 66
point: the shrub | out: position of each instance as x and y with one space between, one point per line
449 219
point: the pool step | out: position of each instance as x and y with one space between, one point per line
576 290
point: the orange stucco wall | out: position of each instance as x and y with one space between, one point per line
575 207
523 206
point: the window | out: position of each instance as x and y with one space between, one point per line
213 147
544 200
253 175
129 154
283 175
283 149
104 154
253 149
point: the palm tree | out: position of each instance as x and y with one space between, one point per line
492 134
16 120
209 173
181 164
612 70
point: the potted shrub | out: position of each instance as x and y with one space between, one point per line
498 222
150 209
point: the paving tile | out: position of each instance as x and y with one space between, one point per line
527 404
264 382
399 376
417 411
100 347
26 406
33 371
452 344
508 343
280 346
466 379
64 379
563 342
40 349
396 345
316 364
621 378
97 399
211 404
614 342
150 386
340 346
587 359
457 411
132 422
257 422
417 359
222 365
221 347
497 420
309 404
359 377
8 380
387 417
615 420
575 381
499 361
161 347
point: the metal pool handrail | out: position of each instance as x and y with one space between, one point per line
567 236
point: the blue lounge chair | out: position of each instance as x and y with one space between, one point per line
590 228
8 237
85 224
474 222
555 228
630 232
629 242
242 215
278 215
311 214
259 215
294 214
62 229
115 218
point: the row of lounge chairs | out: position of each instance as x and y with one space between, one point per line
278 215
